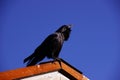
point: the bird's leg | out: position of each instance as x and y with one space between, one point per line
57 59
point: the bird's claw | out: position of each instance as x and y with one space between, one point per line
57 59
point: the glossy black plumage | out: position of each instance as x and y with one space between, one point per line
50 47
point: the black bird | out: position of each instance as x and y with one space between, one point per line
50 47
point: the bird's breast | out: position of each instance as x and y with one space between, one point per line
60 39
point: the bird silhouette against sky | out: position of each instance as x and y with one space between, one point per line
50 47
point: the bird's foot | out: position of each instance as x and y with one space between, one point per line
57 59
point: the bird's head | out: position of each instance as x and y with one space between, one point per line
65 30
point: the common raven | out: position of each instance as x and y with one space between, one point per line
50 47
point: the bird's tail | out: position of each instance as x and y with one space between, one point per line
33 59
28 59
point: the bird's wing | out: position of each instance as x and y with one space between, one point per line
51 45
45 49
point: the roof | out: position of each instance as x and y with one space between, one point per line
45 67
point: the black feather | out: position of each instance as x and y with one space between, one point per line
50 47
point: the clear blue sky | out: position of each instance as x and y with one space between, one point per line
93 47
